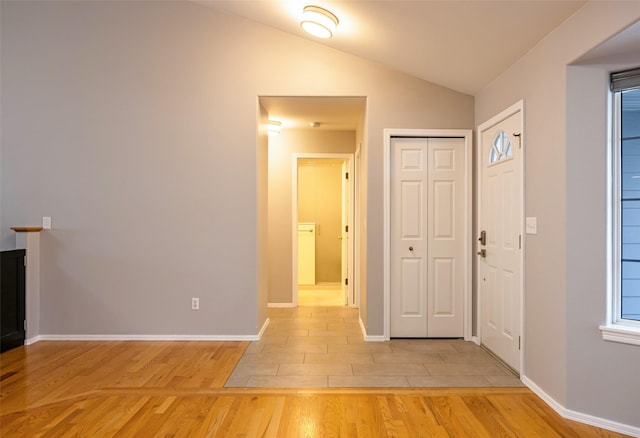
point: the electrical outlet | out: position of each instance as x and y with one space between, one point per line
195 303
46 223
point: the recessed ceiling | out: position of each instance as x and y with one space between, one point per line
331 113
462 45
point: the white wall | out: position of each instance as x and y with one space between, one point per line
565 186
133 125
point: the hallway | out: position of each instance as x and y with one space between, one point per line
318 347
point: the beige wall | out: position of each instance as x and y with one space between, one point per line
281 152
565 188
320 202
134 126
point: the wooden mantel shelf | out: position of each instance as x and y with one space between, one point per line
26 229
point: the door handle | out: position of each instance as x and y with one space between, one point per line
482 253
411 248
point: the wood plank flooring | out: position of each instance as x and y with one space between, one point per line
154 389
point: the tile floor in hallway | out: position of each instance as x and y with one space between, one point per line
315 347
321 295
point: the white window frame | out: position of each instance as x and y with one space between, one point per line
615 328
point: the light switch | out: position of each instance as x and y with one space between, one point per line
46 223
531 225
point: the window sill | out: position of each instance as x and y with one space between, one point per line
621 333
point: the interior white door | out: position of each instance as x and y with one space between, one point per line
501 220
427 229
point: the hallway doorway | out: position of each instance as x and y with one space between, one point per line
311 127
323 225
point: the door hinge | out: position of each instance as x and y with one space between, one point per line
520 241
519 343
346 228
24 325
346 175
346 282
25 261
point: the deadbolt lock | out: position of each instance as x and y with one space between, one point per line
483 237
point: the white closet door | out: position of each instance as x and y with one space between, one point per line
427 225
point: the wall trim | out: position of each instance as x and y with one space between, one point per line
264 327
570 414
147 338
369 338
281 305
33 340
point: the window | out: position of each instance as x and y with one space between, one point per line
624 321
500 148
630 204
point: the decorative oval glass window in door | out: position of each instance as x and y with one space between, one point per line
500 148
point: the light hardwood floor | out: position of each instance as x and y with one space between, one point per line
153 389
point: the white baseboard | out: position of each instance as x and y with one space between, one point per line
148 338
368 338
475 340
264 327
281 305
32 340
569 414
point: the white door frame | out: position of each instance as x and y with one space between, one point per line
294 224
513 109
357 219
467 268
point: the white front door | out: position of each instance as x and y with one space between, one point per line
427 237
500 218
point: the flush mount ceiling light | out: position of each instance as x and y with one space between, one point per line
318 22
273 127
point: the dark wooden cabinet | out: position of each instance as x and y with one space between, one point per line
12 304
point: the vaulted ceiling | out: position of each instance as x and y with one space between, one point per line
460 44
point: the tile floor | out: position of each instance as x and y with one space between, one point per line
320 347
321 295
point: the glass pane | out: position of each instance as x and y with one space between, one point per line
630 303
631 169
501 147
630 205
493 155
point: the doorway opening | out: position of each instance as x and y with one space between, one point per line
323 225
320 128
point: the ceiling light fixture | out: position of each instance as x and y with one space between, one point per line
318 21
273 127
